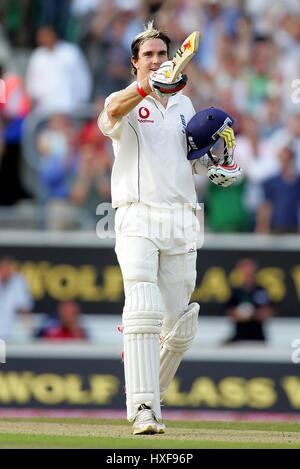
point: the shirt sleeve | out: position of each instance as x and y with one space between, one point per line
104 124
191 110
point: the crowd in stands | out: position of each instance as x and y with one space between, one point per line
248 308
15 299
61 58
17 305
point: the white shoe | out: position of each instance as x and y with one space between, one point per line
145 422
161 428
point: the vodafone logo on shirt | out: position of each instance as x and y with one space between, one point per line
144 113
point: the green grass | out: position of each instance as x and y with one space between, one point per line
27 440
13 441
209 425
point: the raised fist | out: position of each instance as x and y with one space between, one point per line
160 81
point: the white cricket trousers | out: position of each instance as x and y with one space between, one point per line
147 251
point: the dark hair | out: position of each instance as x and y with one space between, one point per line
149 33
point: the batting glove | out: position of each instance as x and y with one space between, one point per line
224 175
230 143
160 83
225 171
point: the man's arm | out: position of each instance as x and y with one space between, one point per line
126 100
158 82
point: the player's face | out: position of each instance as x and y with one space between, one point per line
152 54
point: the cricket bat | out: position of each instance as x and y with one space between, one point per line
185 53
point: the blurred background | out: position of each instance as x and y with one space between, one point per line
61 293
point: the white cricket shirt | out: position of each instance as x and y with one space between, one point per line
150 149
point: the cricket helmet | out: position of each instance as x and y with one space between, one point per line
206 128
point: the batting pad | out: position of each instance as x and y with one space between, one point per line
178 341
142 321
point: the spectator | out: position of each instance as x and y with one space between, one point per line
15 298
66 326
106 52
58 78
57 167
19 21
5 48
249 306
260 77
271 119
257 158
289 135
225 209
91 184
57 13
279 210
13 109
219 22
